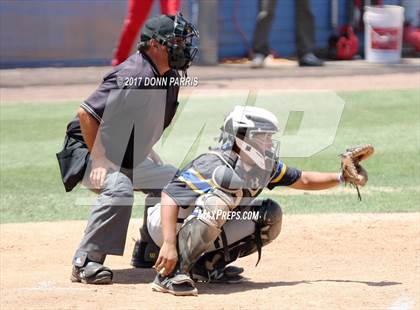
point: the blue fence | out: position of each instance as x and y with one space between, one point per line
239 17
80 32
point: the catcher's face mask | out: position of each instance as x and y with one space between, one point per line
260 148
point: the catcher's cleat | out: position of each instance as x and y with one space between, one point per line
232 271
230 274
92 273
178 285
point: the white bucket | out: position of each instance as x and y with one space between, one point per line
383 33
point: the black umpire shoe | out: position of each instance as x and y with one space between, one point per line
92 273
310 60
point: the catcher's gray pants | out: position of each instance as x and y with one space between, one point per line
235 229
107 226
304 27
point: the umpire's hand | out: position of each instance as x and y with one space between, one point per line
100 167
168 256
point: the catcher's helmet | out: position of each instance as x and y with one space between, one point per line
174 32
242 129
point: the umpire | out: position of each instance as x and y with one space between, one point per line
108 145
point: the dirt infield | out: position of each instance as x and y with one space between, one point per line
359 261
338 261
62 84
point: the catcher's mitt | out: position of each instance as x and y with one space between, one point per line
353 173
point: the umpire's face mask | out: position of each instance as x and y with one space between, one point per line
181 50
180 53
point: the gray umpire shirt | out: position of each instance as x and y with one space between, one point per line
133 105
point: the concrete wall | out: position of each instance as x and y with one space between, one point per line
42 32
80 32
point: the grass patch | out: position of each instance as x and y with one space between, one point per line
31 134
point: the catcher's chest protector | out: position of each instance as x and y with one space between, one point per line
254 178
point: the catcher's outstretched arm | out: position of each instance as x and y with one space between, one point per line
310 180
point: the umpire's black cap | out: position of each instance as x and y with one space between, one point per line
159 26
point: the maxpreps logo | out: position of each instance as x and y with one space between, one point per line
229 215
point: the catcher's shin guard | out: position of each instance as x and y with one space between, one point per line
270 218
267 228
194 238
145 252
201 229
268 225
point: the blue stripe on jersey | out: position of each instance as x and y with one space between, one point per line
280 170
201 184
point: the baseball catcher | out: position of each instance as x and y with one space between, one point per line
209 214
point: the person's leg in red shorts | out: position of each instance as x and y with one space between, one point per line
169 7
138 11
